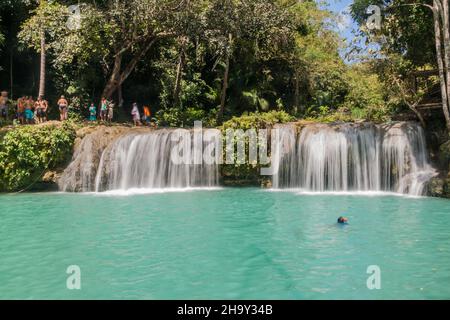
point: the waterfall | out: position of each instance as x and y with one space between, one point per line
354 157
140 161
315 157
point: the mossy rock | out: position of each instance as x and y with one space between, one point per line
439 187
436 187
241 175
446 193
445 154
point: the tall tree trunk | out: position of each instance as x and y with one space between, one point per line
118 76
446 28
297 91
120 96
412 106
11 73
42 66
113 82
226 76
418 114
179 73
440 62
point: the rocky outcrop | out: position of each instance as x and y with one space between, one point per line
444 155
440 186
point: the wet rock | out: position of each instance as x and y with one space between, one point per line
436 187
267 184
439 187
444 154
51 176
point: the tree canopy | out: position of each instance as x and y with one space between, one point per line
204 59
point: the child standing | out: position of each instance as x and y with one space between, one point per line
92 113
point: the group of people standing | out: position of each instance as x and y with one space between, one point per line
146 115
105 112
29 111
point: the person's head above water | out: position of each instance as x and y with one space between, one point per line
342 220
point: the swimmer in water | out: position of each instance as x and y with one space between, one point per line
342 220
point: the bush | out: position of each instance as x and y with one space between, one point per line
249 173
366 96
258 120
176 117
26 152
364 99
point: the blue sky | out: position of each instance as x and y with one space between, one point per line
347 24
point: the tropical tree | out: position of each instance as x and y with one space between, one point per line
42 68
116 33
47 20
2 38
261 26
218 57
405 30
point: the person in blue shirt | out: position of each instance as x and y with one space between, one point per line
92 113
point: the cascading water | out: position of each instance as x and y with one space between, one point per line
321 157
140 161
354 157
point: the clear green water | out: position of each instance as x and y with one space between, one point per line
224 244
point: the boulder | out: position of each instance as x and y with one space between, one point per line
439 187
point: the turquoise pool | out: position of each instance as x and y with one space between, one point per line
223 244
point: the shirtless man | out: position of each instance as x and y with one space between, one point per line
40 109
4 105
44 109
21 110
29 115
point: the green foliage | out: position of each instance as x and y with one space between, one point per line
406 28
248 173
255 100
283 55
366 95
26 152
176 117
258 120
2 39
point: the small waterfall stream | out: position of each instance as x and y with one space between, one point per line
354 157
